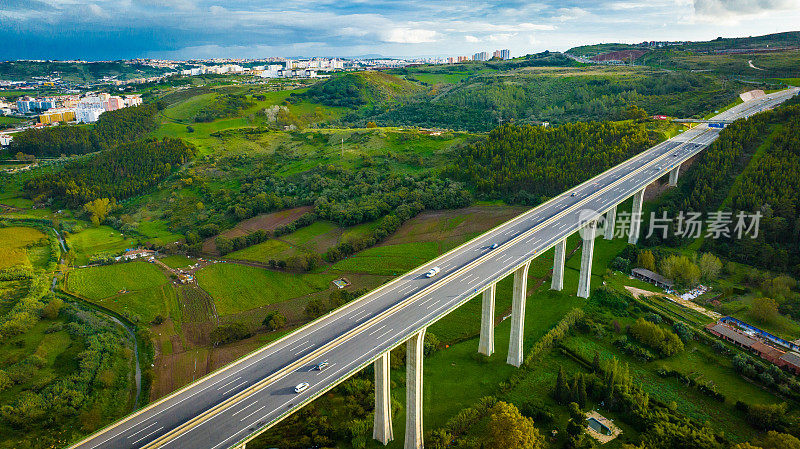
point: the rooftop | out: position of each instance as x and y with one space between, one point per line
726 331
655 277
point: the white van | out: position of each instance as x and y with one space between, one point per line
301 387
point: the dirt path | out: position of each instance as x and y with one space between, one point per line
750 63
637 292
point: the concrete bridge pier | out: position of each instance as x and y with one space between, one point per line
585 281
382 427
636 217
611 221
673 176
557 282
518 315
486 343
414 354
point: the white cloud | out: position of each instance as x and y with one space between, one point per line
408 35
470 38
733 12
567 14
97 11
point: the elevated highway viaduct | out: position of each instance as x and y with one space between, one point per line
229 407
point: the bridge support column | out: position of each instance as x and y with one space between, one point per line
486 343
414 354
611 221
518 315
673 176
382 427
585 281
558 265
636 217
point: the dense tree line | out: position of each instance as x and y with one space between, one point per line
344 196
118 173
529 163
111 129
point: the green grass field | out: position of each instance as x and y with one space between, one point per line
236 288
177 261
20 246
389 260
102 239
137 289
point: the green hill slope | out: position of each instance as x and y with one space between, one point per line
359 89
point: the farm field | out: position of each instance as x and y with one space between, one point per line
135 289
236 288
177 261
20 246
96 240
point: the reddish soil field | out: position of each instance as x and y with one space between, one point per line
267 222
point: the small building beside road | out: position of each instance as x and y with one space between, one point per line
652 278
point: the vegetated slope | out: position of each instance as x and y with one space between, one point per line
557 95
359 89
527 163
118 173
112 128
769 185
597 49
722 44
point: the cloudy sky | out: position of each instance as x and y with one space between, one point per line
184 29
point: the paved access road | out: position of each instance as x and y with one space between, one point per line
357 333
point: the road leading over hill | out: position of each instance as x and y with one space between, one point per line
226 407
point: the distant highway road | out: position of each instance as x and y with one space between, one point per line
225 407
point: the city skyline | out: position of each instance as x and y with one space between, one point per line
187 29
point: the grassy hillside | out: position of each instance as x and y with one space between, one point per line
361 89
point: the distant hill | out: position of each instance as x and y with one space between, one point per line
768 42
80 72
777 40
359 89
598 49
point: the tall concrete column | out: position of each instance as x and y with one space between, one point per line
611 221
673 176
518 315
584 283
382 427
414 354
486 343
636 217
558 265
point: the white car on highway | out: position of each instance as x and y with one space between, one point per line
301 387
432 272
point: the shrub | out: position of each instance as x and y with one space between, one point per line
229 333
663 341
274 320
